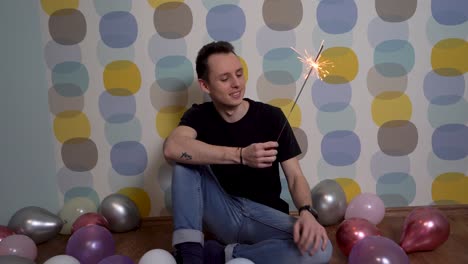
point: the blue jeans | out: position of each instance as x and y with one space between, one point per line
249 229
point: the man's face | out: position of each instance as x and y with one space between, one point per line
226 82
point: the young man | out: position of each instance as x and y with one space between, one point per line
226 175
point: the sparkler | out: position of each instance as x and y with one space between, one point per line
312 64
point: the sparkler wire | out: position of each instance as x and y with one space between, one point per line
300 91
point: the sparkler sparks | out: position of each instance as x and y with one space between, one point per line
316 64
311 64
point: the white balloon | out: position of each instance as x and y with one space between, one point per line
62 259
240 261
159 256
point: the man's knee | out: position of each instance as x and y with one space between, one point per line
184 172
321 256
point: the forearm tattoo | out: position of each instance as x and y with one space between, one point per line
185 156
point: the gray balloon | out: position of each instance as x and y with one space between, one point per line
35 222
121 212
12 259
329 199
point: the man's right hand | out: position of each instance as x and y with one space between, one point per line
260 155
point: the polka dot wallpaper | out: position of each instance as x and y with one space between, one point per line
389 118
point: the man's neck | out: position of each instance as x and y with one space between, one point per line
233 114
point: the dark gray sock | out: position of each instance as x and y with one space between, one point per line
189 253
213 252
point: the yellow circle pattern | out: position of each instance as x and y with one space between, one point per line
295 118
341 63
50 6
450 187
390 106
156 3
450 57
122 78
71 124
167 119
350 187
245 67
140 197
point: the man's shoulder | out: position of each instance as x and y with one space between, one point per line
262 106
206 106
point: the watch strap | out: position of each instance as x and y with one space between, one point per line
309 209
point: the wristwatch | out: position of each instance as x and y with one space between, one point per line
309 209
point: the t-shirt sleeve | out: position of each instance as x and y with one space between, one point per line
192 118
288 145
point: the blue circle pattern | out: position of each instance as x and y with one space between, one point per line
70 78
225 22
128 131
341 147
118 29
160 47
331 97
443 90
380 30
129 158
103 6
83 191
174 73
117 109
450 12
403 182
268 39
337 17
449 141
394 58
281 66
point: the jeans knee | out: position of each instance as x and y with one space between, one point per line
182 173
323 256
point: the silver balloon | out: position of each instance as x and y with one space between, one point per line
13 259
329 199
121 212
35 222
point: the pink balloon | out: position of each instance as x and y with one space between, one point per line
91 244
89 219
350 231
377 250
18 245
5 231
368 206
424 229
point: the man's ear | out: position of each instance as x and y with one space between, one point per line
204 86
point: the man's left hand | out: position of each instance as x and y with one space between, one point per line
308 232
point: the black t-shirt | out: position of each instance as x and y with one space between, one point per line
261 123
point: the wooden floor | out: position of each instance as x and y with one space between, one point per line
156 233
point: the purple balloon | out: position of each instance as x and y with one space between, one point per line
378 250
91 244
117 259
